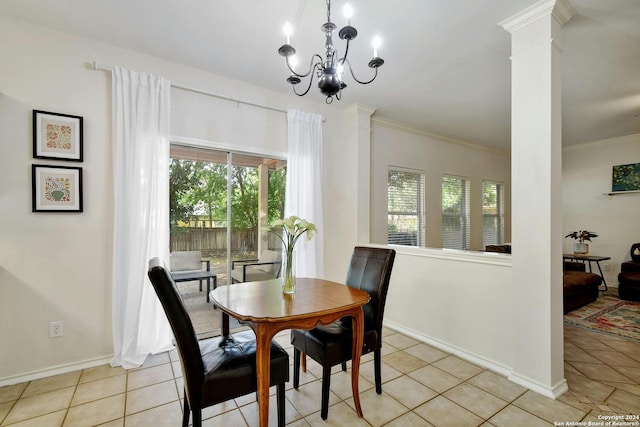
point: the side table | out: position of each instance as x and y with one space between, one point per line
589 259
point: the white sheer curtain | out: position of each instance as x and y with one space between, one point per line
141 215
304 188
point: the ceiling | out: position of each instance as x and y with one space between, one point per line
446 70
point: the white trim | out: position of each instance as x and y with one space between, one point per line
491 258
223 146
422 132
561 10
55 370
528 15
552 393
477 360
616 140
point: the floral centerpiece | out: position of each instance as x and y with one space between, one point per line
292 228
581 248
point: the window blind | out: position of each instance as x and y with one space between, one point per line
492 213
406 223
455 212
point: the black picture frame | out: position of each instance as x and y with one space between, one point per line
56 188
57 136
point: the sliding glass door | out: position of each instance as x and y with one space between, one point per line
220 205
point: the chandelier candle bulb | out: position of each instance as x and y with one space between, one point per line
377 42
288 30
348 13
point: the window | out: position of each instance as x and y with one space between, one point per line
405 207
492 213
455 212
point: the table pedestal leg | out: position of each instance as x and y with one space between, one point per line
357 323
263 365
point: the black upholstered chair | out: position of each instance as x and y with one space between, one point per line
216 369
330 345
629 277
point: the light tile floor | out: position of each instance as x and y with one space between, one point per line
422 386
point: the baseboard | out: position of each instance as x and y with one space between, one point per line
55 370
473 358
552 393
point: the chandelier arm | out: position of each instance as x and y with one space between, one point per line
310 82
312 66
346 52
356 79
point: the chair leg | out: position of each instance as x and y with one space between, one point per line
296 368
200 285
197 417
281 404
377 367
303 361
326 383
186 412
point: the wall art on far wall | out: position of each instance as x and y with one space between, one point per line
56 188
626 177
57 136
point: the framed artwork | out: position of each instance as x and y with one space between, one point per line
57 136
56 188
626 177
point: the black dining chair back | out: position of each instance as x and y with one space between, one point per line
330 345
216 369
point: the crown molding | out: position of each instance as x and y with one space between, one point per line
561 10
616 140
362 108
408 128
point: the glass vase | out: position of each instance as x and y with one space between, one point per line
288 276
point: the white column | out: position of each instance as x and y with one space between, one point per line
363 138
536 165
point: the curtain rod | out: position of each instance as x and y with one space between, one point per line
100 67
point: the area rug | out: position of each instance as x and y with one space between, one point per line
608 315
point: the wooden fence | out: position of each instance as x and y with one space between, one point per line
213 241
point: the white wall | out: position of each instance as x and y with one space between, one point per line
586 177
456 300
401 147
57 266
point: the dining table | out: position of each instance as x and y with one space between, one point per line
267 310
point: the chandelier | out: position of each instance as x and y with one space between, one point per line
330 69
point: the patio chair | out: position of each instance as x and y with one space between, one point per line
266 267
188 262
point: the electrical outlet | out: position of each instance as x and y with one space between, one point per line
606 267
56 329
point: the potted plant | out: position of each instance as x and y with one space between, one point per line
580 247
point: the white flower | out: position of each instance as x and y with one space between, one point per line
292 228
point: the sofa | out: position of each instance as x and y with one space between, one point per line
629 277
578 287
